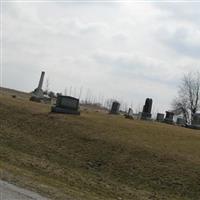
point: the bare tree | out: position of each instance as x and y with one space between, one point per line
188 100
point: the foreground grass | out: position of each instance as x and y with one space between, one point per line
96 155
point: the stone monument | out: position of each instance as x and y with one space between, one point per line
129 115
196 121
169 117
160 117
38 94
67 105
146 113
180 121
115 108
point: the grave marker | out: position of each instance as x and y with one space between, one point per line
129 115
196 121
160 117
146 113
38 94
66 104
169 117
115 108
180 121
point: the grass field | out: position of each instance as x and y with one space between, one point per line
96 156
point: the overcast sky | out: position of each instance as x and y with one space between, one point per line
124 50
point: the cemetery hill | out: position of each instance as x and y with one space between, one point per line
100 100
95 154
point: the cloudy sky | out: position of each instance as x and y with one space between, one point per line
124 50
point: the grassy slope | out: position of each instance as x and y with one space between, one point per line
96 155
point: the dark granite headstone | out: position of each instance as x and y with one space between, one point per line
196 121
146 113
115 108
160 117
66 104
180 121
169 117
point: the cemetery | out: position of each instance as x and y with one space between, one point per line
74 138
96 145
100 100
70 105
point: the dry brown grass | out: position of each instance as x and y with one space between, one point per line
96 155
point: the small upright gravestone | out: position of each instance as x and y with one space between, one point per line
130 112
180 121
129 115
146 113
169 117
196 121
115 108
67 105
160 117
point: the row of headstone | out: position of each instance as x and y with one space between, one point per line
169 118
70 105
146 114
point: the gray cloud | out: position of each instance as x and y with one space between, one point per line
181 30
130 51
187 11
184 42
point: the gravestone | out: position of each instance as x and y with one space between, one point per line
180 121
66 104
196 121
38 94
129 115
130 112
146 113
169 117
160 117
115 108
